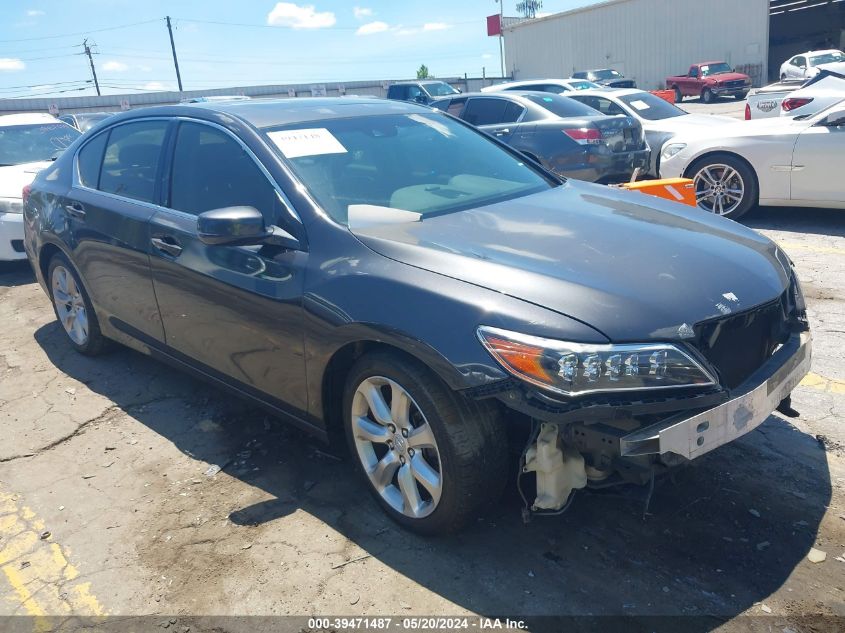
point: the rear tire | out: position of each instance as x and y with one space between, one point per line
679 96
446 456
726 175
707 95
73 308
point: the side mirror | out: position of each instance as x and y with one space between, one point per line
421 99
240 226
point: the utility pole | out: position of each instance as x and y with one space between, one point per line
173 48
91 60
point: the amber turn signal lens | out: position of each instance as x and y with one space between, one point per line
523 359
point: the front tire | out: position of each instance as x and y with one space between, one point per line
707 95
73 308
724 185
741 96
430 456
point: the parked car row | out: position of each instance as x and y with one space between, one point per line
395 274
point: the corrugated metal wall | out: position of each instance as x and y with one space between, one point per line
111 103
643 39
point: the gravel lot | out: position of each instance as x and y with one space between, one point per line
110 504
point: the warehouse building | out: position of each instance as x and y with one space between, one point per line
648 40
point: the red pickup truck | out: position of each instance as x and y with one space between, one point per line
709 80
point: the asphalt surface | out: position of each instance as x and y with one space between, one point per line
111 503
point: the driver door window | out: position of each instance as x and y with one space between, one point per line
211 171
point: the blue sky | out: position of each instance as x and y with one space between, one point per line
222 43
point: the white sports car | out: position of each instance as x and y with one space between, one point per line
809 64
796 162
660 119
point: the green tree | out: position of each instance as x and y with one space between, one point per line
529 8
422 72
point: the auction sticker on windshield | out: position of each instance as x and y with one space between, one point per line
640 105
308 142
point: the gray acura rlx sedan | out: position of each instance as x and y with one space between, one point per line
383 270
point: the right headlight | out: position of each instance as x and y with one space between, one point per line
575 369
11 205
670 150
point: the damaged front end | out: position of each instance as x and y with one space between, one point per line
606 437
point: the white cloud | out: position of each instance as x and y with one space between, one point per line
300 17
154 85
11 63
372 27
486 56
436 26
145 69
34 13
113 66
362 12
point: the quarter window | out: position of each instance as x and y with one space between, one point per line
211 171
131 159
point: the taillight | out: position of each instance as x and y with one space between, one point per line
25 193
584 135
793 103
747 112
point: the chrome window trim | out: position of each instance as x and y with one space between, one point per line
77 183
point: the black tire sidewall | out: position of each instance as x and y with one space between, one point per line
436 401
751 195
679 97
96 341
707 95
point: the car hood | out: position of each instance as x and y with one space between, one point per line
689 121
723 77
632 266
837 67
13 178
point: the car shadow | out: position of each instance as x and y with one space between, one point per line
17 273
720 535
797 220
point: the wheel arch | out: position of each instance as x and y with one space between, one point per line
721 152
340 363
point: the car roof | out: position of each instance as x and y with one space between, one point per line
419 81
609 92
29 118
718 61
263 113
819 52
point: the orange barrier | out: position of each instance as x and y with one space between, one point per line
675 189
666 95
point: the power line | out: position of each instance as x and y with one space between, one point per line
89 31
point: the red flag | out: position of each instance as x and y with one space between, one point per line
494 25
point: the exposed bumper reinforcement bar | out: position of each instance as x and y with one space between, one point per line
757 398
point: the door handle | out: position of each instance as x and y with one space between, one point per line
167 245
75 210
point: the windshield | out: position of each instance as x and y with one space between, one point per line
827 58
425 163
440 89
31 143
715 69
561 106
583 85
605 74
651 107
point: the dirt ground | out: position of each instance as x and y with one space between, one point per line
110 502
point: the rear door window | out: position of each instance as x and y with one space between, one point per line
131 160
512 113
90 160
485 111
212 171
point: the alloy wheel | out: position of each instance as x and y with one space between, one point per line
719 189
396 446
70 305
